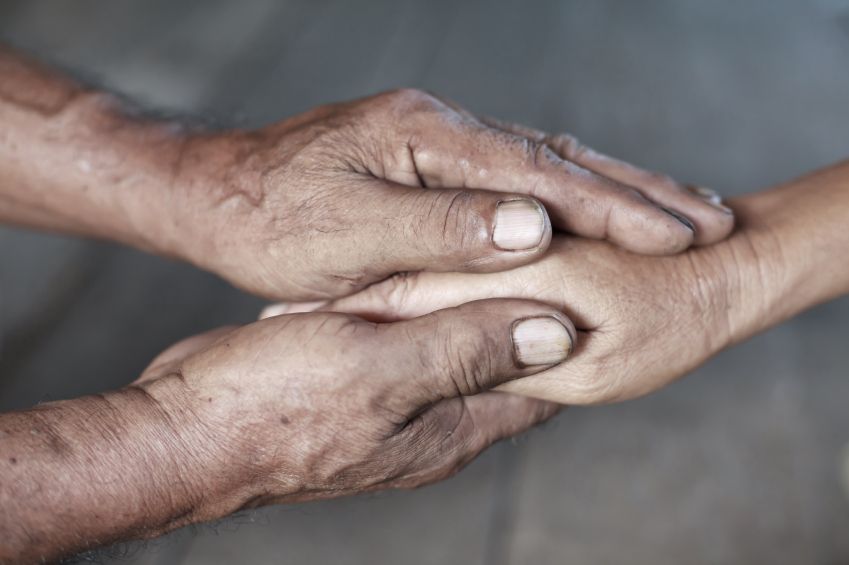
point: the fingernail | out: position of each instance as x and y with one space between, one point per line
541 341
683 219
710 196
519 224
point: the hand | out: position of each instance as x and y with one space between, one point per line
292 408
322 405
330 201
642 321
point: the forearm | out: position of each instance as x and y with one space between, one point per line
72 160
791 251
86 472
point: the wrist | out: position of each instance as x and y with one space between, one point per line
789 253
97 469
159 450
201 459
218 183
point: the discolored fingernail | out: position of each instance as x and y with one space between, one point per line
519 224
683 219
710 196
544 340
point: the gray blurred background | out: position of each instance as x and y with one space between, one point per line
738 463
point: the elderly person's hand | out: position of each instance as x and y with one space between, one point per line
328 202
292 408
644 321
325 203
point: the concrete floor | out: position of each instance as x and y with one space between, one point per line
738 463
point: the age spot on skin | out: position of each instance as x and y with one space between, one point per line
285 420
13 460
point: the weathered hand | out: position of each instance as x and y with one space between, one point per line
328 202
321 405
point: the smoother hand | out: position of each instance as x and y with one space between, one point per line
642 321
645 321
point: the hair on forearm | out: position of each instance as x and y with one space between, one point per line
130 106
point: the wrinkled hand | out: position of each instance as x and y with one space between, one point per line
642 321
328 202
320 405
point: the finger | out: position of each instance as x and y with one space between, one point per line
702 206
567 264
472 348
411 295
466 153
501 415
183 349
453 432
448 229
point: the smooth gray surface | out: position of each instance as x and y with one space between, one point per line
739 463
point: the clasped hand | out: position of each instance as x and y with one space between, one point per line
447 280
407 189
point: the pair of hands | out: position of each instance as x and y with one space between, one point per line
433 247
397 216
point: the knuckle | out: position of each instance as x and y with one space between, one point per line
569 147
465 358
539 155
630 195
452 223
411 100
660 179
395 292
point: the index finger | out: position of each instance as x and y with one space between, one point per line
467 153
713 221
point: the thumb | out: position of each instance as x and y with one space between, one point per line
430 229
472 348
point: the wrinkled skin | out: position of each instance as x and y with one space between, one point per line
330 201
297 407
320 405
